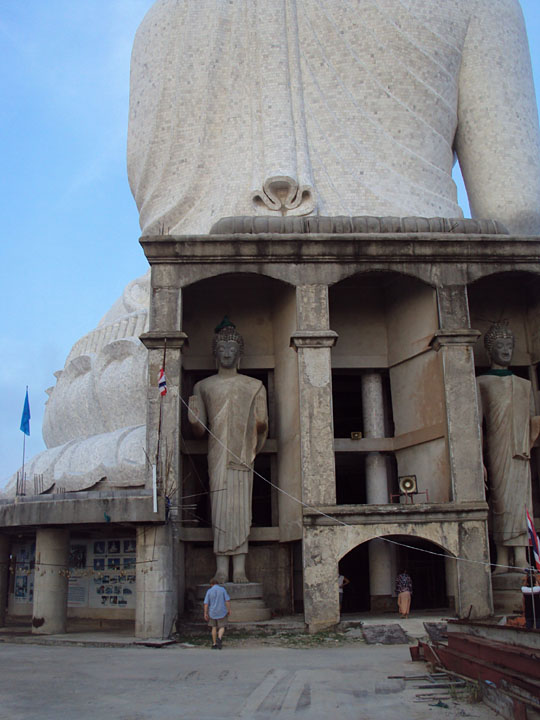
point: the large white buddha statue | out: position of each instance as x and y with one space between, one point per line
296 107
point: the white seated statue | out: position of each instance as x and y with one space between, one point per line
511 427
95 418
332 108
232 408
296 108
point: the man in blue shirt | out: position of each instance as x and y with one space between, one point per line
217 607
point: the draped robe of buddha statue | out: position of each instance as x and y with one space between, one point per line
235 410
506 403
298 107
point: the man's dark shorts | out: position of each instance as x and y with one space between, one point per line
219 623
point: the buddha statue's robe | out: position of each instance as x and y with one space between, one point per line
235 411
506 404
298 107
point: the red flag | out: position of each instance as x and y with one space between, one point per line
162 382
533 541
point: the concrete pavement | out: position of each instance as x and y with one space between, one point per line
257 681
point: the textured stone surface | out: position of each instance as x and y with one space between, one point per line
328 108
94 423
391 634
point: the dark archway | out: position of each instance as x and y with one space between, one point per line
424 561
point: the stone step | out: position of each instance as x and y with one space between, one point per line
237 591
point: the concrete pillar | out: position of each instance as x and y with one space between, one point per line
49 613
165 584
313 341
4 577
455 345
321 595
462 418
454 342
156 586
380 561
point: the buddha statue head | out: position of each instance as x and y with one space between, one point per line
227 344
499 342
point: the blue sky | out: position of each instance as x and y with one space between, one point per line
69 224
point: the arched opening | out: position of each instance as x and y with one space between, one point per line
387 389
424 561
264 312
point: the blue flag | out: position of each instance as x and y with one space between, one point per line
25 419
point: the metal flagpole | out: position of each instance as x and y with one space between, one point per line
161 402
154 473
25 427
22 469
531 585
530 568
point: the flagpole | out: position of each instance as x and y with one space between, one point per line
533 600
155 468
161 403
530 568
22 470
23 488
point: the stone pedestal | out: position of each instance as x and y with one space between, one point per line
507 596
247 603
50 582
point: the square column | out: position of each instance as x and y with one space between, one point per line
160 555
49 612
313 341
462 417
454 343
156 601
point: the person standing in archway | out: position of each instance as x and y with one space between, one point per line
342 581
404 589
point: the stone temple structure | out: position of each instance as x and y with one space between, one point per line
291 162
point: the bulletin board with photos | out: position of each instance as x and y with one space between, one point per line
24 555
113 581
101 573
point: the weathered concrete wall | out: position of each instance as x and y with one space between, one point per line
458 530
248 302
357 315
411 318
82 508
429 462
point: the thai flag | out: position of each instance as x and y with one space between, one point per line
162 382
533 541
